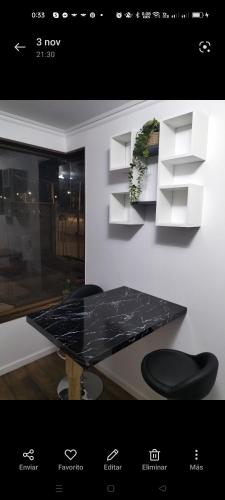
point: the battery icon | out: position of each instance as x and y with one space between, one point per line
197 15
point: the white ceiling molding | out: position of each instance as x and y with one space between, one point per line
11 118
15 127
114 113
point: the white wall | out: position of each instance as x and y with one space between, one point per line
185 266
20 344
181 265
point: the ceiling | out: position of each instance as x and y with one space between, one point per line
62 114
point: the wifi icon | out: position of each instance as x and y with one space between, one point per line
74 14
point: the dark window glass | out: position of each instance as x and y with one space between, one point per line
42 229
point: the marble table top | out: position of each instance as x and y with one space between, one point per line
91 329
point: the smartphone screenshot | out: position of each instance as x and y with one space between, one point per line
112 243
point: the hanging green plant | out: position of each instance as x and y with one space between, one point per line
146 141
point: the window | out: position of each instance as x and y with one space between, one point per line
42 227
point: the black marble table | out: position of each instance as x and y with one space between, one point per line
91 329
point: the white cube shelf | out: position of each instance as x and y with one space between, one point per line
121 151
183 139
179 205
183 148
178 173
122 212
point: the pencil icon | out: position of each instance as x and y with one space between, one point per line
112 455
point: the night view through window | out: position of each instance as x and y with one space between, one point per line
42 220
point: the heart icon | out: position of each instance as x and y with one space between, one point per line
70 454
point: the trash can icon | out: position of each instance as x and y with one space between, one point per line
154 455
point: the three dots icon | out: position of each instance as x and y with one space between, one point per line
196 455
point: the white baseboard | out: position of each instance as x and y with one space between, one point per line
127 387
27 360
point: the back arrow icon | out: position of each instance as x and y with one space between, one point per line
18 47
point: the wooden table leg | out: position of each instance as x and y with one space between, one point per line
74 372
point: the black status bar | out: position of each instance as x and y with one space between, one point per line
120 15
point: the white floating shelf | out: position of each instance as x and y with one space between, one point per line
180 205
121 151
166 224
122 212
181 159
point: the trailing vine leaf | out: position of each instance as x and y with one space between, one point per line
141 155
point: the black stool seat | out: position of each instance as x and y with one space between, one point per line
177 375
83 291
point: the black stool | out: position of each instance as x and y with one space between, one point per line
177 375
82 292
91 384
